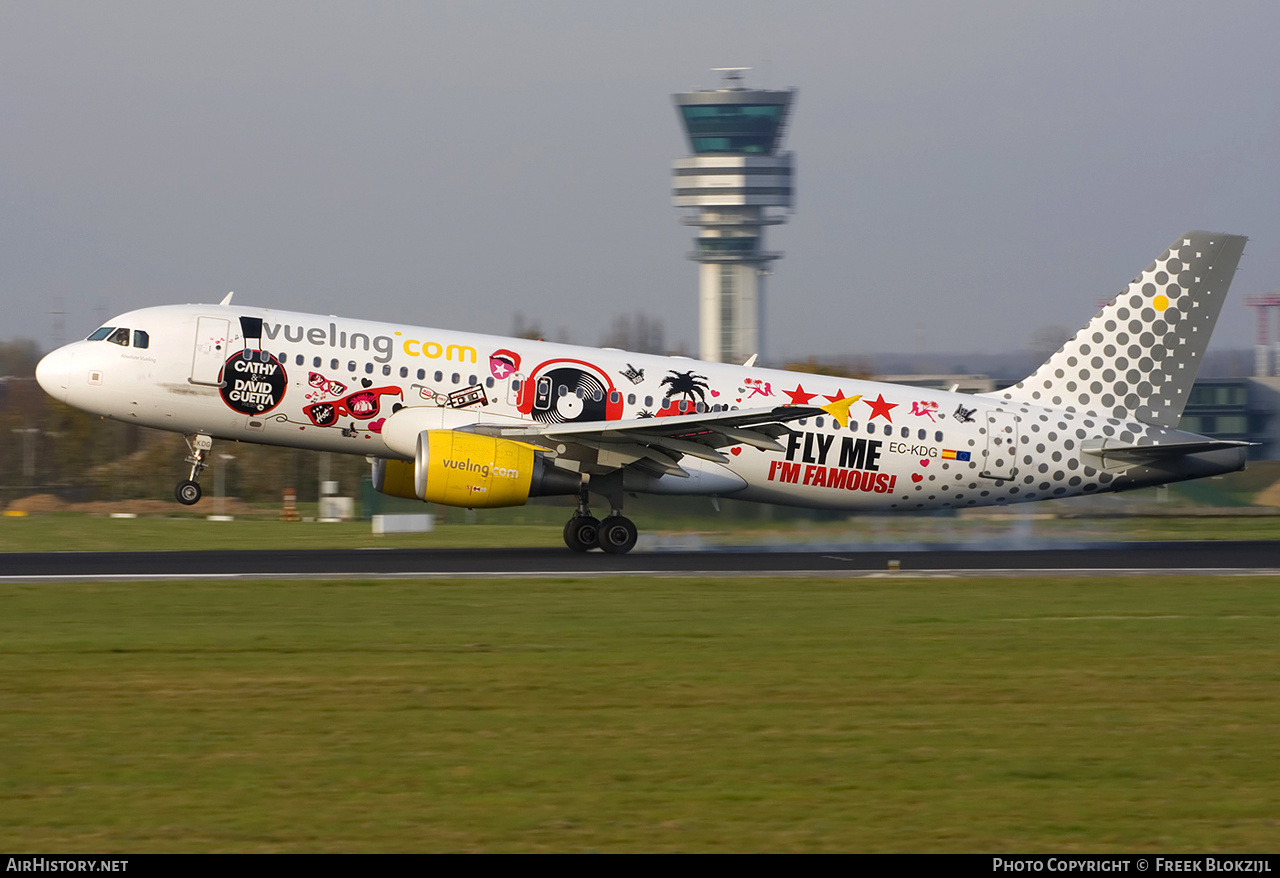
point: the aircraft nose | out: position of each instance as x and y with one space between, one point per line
53 373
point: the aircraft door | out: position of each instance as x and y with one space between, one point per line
1002 445
212 335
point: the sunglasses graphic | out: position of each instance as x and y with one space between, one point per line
361 405
318 381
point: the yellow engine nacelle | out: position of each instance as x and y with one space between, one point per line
466 469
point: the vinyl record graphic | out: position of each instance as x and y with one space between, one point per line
576 395
568 391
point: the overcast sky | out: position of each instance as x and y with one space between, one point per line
967 172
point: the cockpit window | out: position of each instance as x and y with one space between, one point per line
141 339
120 337
101 333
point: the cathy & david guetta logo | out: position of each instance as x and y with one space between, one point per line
253 382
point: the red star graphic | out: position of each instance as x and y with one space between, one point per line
798 396
880 407
839 396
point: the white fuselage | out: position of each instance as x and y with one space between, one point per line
329 383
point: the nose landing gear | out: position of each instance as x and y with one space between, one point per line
188 490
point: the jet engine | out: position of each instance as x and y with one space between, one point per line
478 472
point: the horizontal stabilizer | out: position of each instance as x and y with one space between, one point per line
1110 448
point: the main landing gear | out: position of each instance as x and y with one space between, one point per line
188 490
615 535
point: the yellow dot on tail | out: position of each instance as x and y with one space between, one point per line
1160 302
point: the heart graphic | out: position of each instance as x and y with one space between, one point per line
916 477
924 463
735 451
739 399
376 426
366 382
715 393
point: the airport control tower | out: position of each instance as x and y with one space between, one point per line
736 172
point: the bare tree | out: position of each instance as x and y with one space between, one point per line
523 328
635 332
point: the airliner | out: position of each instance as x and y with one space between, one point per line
473 420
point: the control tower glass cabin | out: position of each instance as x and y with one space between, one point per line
736 172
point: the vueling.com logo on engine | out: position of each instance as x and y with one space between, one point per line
483 469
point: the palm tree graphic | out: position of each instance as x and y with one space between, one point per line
686 384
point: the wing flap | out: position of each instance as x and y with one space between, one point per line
659 443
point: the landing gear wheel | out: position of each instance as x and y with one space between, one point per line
188 492
617 535
581 533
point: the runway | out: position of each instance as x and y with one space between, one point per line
1138 557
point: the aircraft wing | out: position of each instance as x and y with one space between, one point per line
657 444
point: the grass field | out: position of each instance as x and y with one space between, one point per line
877 714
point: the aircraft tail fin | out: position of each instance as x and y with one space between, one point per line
1138 357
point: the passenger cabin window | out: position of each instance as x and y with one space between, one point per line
102 333
120 337
141 339
542 398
